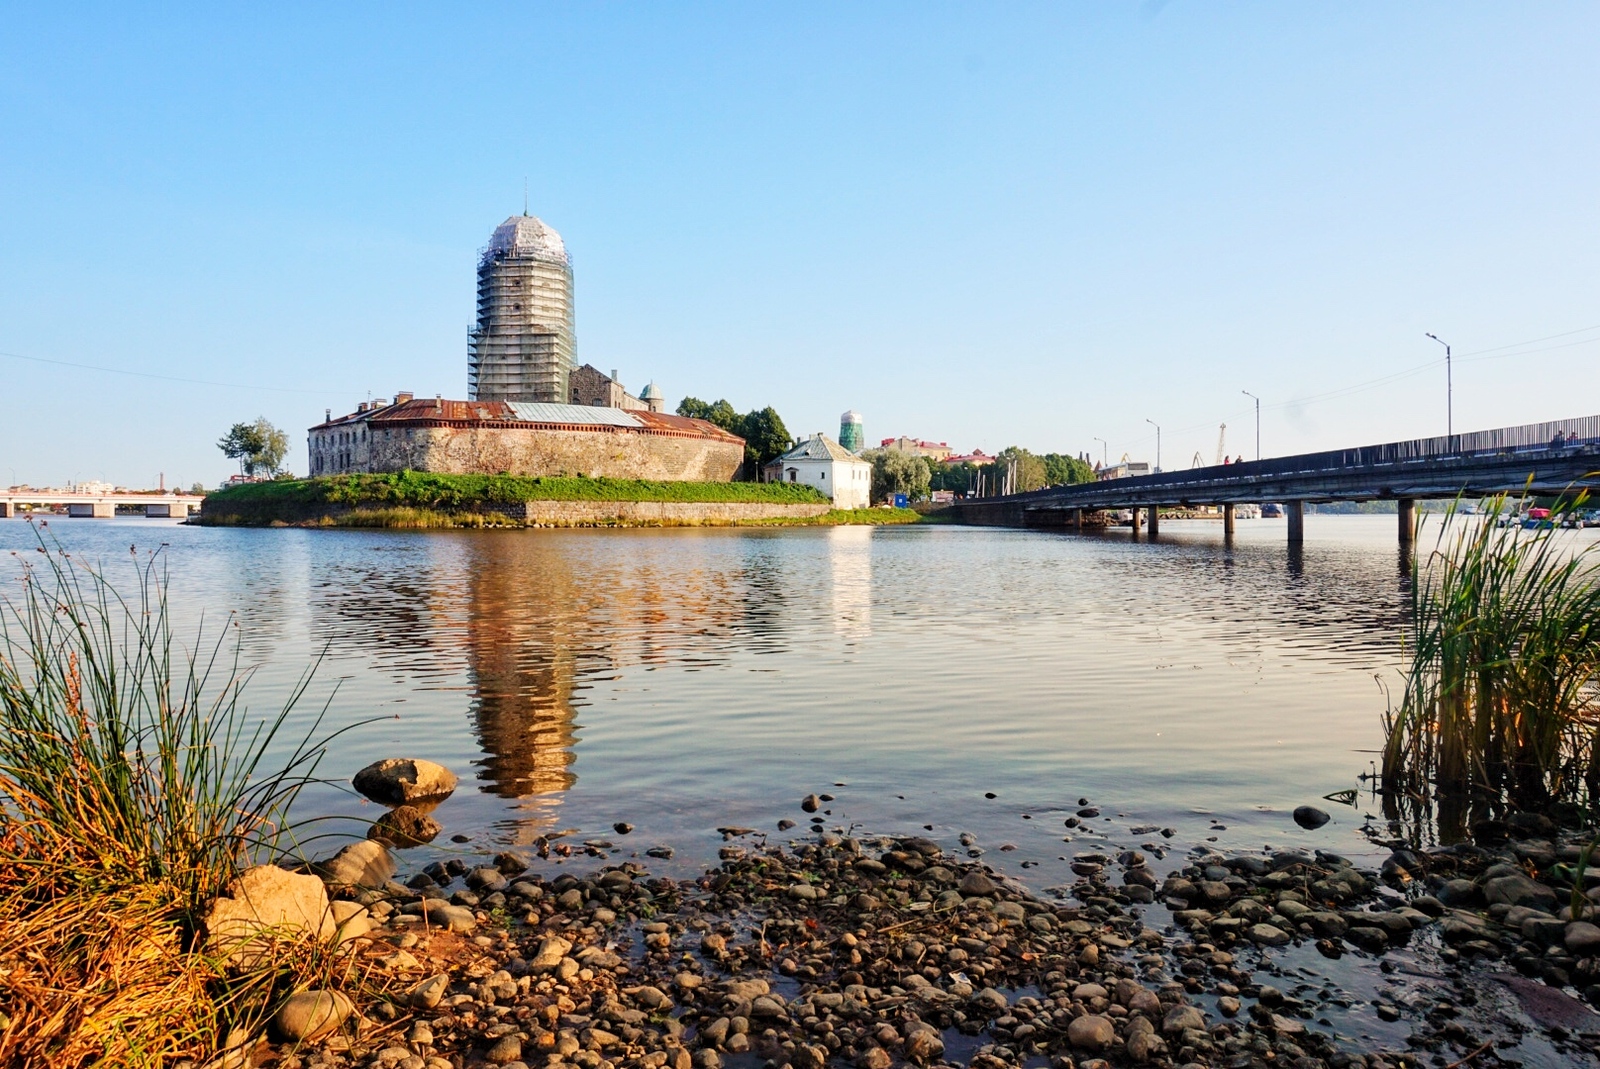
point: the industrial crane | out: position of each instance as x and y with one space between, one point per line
1222 441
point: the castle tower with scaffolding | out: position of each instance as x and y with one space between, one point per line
523 346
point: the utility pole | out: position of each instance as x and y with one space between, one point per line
1157 426
1102 442
1449 390
1247 393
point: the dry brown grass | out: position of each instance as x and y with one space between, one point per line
132 789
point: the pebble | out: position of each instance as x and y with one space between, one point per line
861 951
505 1050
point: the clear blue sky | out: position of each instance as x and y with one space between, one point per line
984 224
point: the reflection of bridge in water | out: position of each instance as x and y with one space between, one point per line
101 506
1544 458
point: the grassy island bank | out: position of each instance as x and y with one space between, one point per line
422 499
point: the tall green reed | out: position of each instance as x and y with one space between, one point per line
135 745
134 785
1501 693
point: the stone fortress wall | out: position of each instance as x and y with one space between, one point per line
608 452
498 437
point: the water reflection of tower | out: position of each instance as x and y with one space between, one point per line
523 646
850 561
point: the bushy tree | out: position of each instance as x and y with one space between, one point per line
764 435
955 477
1062 470
1029 469
897 472
763 431
259 447
719 412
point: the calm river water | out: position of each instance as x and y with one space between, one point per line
974 684
975 680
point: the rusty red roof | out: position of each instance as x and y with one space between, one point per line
432 410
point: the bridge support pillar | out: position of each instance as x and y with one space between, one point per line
1155 520
99 510
1407 508
1227 520
167 509
7 510
1296 513
1134 523
1077 519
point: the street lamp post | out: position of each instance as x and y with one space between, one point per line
1103 451
1157 426
1247 393
1449 390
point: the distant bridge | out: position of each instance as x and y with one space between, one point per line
102 506
1547 458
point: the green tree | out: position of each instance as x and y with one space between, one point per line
764 436
1062 470
897 472
719 412
259 447
1027 469
956 477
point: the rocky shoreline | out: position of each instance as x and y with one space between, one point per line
829 949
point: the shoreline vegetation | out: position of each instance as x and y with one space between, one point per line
1501 706
133 789
421 500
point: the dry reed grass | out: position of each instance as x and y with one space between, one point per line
132 789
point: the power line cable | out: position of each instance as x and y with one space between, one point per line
154 375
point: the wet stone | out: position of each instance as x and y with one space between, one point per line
1310 817
976 884
1091 1032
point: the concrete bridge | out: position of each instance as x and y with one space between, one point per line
1546 458
102 506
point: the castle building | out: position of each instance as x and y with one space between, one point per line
592 387
523 346
530 412
521 438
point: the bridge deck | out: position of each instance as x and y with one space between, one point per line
1546 458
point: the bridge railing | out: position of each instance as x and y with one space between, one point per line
1566 434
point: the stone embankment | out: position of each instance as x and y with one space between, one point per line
836 950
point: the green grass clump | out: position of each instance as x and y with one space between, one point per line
1501 695
132 790
407 518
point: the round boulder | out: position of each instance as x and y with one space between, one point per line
976 885
1091 1032
1310 817
311 1015
404 780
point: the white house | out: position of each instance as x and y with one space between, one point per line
822 462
